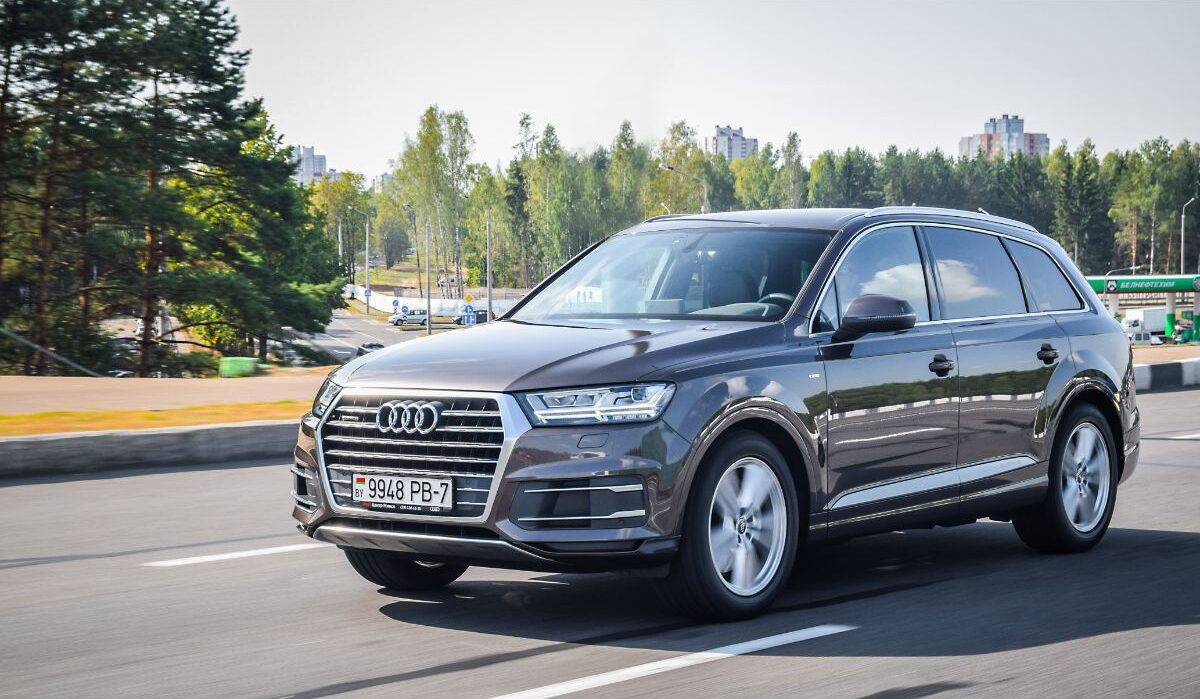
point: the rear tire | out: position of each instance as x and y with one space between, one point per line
740 532
1083 487
396 572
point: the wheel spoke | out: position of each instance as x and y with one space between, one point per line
1070 499
755 489
1086 445
745 567
722 540
726 502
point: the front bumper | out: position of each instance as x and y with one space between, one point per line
594 463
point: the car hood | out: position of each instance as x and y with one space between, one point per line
518 356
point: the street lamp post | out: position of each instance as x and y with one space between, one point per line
428 287
367 261
1115 306
703 184
1182 225
488 271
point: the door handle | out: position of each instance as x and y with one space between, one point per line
1047 354
940 365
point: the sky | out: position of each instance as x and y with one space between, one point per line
352 77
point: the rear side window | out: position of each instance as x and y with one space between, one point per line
1045 281
977 275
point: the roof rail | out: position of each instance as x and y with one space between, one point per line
661 217
951 213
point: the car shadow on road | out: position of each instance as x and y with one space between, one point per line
964 591
978 583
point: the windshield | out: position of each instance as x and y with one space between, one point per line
690 273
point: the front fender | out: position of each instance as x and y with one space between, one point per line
750 410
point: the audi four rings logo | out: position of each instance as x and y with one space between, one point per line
407 417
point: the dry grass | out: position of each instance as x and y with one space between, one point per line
88 420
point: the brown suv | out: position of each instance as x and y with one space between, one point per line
701 396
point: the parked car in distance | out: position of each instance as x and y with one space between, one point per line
414 316
481 316
700 397
1144 338
369 347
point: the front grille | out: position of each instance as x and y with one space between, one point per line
464 446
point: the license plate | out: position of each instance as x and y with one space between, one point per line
403 493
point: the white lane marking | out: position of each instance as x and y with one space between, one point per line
1186 436
230 556
350 328
677 663
331 337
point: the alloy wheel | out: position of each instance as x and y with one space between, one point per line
747 526
1085 477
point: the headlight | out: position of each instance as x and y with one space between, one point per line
325 396
590 406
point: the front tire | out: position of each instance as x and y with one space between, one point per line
740 534
396 572
1083 487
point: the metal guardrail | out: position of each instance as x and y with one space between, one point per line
49 353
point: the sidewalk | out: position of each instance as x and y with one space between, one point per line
33 394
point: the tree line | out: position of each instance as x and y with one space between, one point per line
547 203
137 180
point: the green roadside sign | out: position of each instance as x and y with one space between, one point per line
1145 284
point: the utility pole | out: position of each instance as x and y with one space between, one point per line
1182 227
702 181
429 296
367 266
488 271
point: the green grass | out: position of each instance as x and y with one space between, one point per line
88 420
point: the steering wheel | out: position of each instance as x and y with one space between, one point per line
779 299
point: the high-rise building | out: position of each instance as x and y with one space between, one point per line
1004 136
379 182
730 142
310 167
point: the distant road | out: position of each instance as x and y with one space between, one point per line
348 330
193 583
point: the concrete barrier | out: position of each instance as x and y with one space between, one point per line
1154 377
77 452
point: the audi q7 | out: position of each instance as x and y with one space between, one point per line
700 397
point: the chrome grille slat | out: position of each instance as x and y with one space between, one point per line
401 471
466 446
407 457
409 442
304 501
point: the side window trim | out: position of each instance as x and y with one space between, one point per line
830 285
933 283
1031 304
1031 299
919 228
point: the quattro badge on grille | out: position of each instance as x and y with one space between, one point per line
407 417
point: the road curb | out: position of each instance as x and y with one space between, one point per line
1154 377
77 452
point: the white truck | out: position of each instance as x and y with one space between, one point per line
1146 320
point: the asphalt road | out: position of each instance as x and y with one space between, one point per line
192 583
346 331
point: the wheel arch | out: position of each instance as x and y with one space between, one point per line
768 418
1105 399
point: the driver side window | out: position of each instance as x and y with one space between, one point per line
886 261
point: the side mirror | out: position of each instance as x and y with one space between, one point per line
875 313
